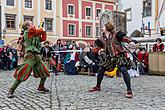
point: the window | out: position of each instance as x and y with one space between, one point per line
88 30
10 2
48 4
28 3
88 11
49 24
106 10
98 11
70 9
28 18
10 21
97 31
147 8
129 14
162 31
72 29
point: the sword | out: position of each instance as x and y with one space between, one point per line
134 55
131 53
67 51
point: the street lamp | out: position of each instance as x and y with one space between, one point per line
4 33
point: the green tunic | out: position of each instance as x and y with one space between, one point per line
32 44
32 60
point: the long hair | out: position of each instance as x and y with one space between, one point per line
109 26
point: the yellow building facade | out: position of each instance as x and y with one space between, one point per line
15 12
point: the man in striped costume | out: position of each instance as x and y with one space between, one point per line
114 55
32 61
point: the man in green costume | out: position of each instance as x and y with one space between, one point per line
32 61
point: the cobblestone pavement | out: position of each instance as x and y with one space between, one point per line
71 93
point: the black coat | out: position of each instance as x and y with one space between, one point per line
48 54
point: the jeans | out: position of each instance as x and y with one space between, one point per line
124 72
141 69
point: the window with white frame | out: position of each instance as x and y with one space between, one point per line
10 21
49 24
28 18
147 8
88 11
10 2
71 9
48 4
71 29
98 11
88 30
28 3
129 14
97 31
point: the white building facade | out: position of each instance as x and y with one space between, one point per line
141 15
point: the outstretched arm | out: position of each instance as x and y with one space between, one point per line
33 32
121 36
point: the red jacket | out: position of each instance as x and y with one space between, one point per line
158 48
77 57
143 58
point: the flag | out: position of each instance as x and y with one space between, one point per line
40 24
20 24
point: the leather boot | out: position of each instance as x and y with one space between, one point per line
10 93
129 94
95 89
41 88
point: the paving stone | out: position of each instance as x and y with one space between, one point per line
71 93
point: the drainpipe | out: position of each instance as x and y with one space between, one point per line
156 12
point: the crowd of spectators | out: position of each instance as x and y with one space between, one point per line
8 57
85 59
88 59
